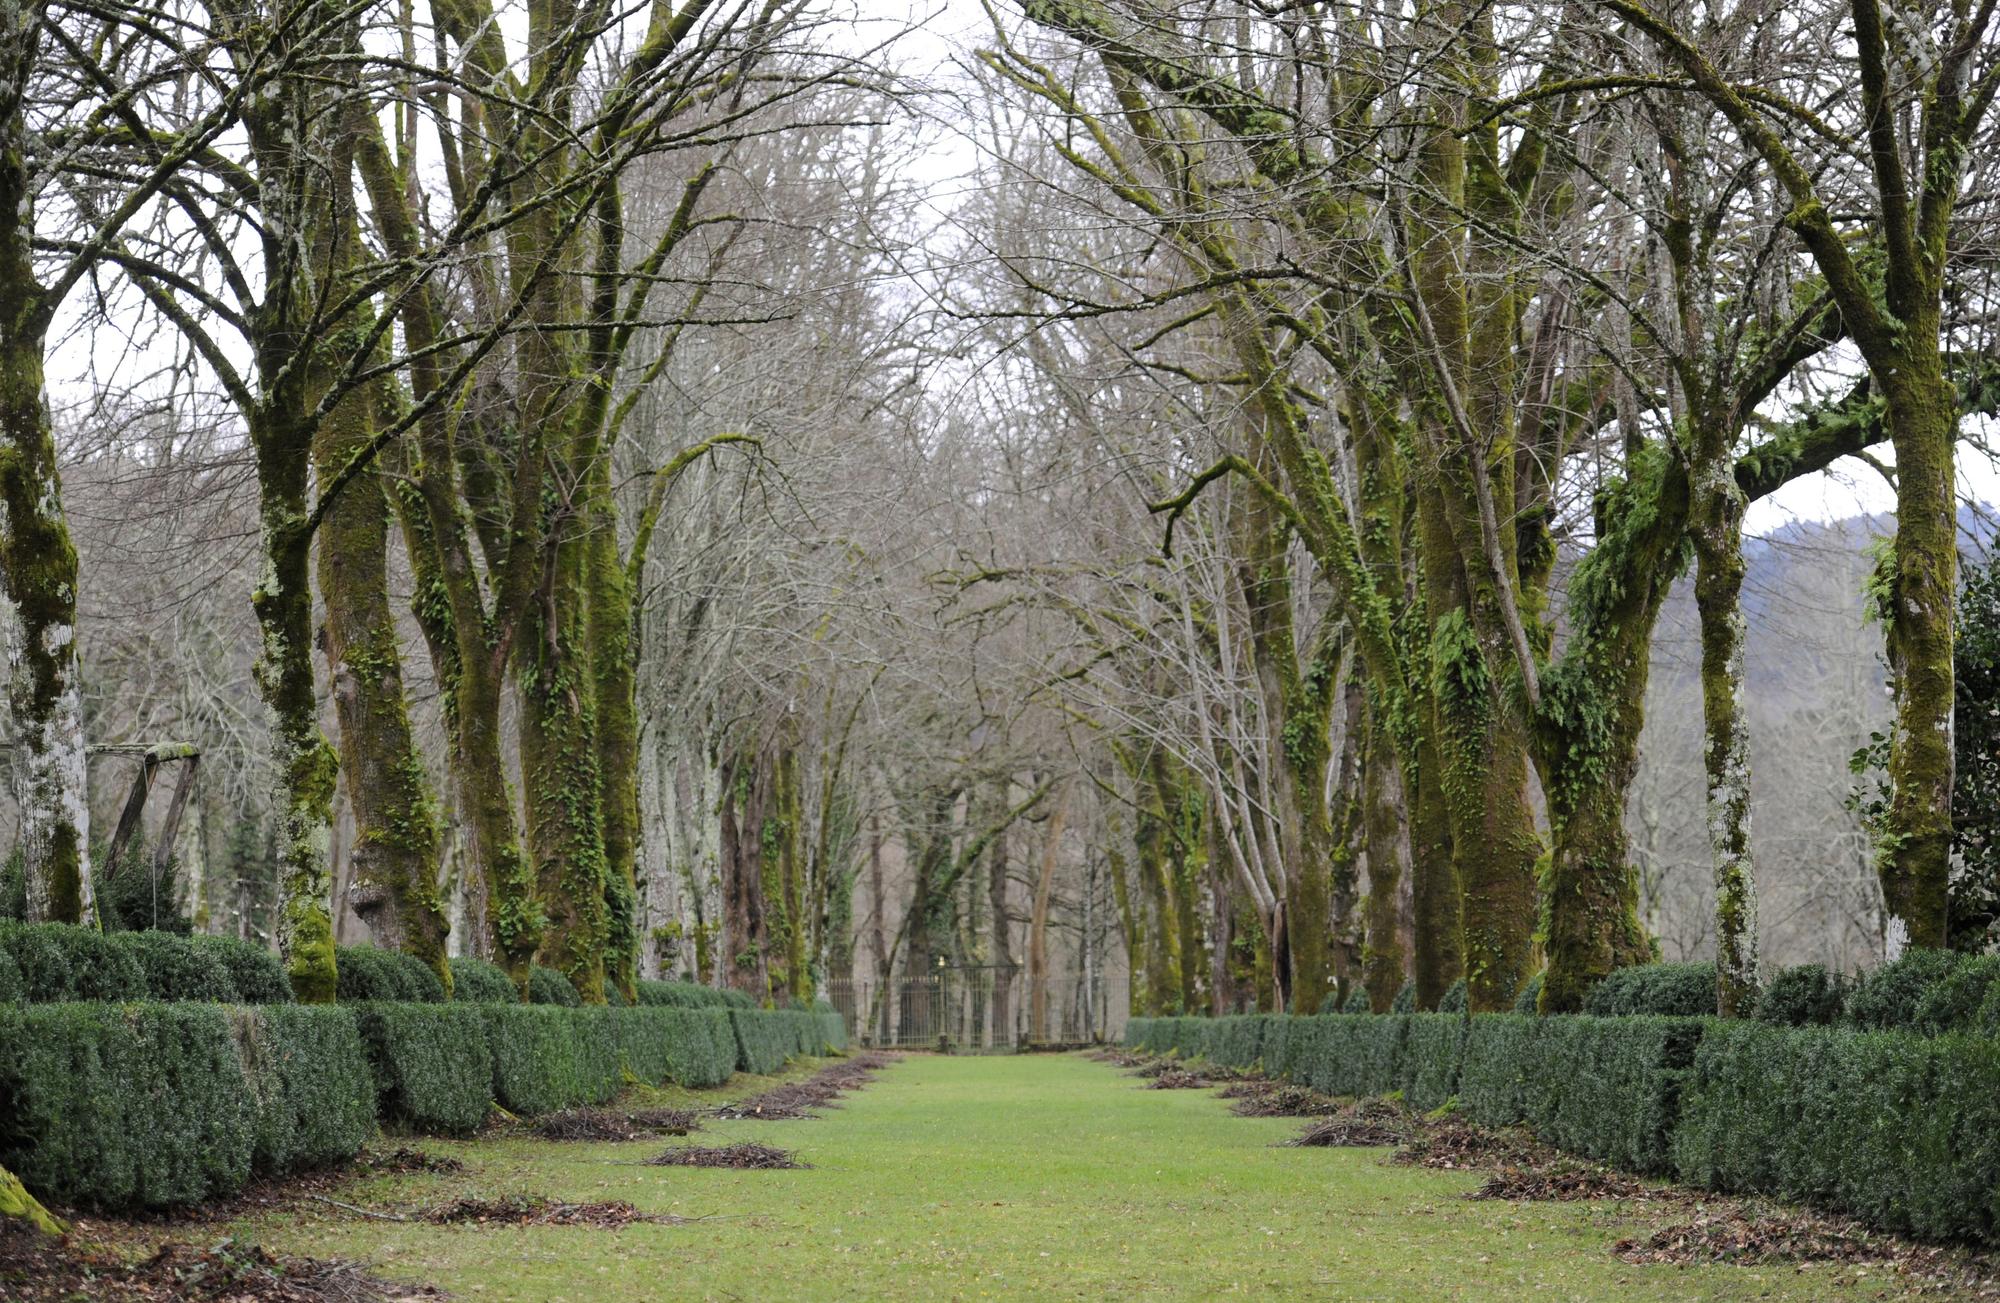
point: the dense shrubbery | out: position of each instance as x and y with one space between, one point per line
687 995
1529 997
547 1057
151 1105
172 968
1889 996
1453 1000
370 974
1899 1128
52 962
1801 996
475 981
1357 1001
432 1064
1667 990
254 971
547 986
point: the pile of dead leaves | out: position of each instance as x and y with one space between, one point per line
607 1124
534 1210
1118 1058
1449 1144
751 1155
36 1268
1366 1123
798 1099
1260 1098
1560 1183
404 1159
1178 1079
1734 1234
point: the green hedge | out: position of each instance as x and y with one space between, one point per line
140 1104
1899 1128
688 995
172 968
475 981
371 975
547 986
257 974
155 1105
56 962
432 1063
547 1057
1669 990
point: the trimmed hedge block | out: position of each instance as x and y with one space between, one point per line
171 968
1902 1131
547 1058
309 1074
432 1065
123 1105
256 973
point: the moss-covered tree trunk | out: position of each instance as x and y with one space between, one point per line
1716 526
614 649
1385 965
394 888
1434 894
1920 596
305 761
37 560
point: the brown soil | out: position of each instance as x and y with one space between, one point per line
745 1155
36 1268
534 1210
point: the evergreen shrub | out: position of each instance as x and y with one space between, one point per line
1668 990
1801 996
432 1064
1900 1130
254 971
475 981
170 968
1890 996
371 974
547 986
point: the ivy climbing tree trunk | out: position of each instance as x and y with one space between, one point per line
1717 530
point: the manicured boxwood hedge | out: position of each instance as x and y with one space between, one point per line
475 981
48 963
154 1105
1899 1128
432 1064
370 974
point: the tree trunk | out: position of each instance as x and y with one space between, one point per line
1384 964
614 649
746 799
394 889
1001 1015
1920 599
1434 896
1718 534
1038 927
37 560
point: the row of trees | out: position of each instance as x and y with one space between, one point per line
683 544
1442 342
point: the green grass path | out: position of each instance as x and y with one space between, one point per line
1010 1178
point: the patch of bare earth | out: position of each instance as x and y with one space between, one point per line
36 1268
748 1155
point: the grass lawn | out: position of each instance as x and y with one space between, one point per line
1015 1177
